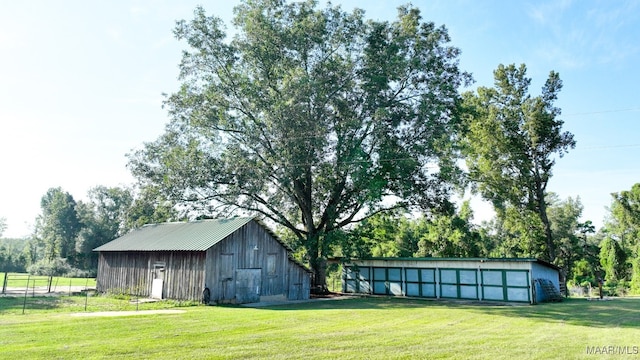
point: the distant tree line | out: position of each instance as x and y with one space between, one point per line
67 231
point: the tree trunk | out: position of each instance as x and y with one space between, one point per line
319 268
318 263
542 212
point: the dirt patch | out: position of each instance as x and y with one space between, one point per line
127 313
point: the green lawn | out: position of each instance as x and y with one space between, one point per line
380 328
20 280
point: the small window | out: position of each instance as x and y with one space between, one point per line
271 264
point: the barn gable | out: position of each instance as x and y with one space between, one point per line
224 260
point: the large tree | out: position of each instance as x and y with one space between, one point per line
452 235
511 144
624 226
58 225
103 218
312 118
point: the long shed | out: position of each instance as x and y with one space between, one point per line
522 280
237 260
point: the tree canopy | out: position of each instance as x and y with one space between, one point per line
311 118
511 144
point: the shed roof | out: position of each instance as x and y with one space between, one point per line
428 259
176 236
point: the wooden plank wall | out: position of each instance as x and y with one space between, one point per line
132 273
299 282
250 247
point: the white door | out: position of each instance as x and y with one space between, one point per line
157 285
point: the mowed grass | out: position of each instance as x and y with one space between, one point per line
359 328
19 280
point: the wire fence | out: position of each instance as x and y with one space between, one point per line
24 293
38 285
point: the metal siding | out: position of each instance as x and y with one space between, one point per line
539 271
485 279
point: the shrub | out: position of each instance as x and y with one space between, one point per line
55 267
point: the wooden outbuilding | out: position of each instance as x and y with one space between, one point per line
520 280
237 260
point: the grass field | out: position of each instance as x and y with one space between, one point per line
19 280
366 328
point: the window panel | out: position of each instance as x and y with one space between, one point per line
468 277
395 288
394 274
379 274
379 287
468 292
492 277
517 278
518 294
429 290
412 275
428 275
449 291
413 289
448 276
493 293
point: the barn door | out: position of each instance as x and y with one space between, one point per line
157 285
248 282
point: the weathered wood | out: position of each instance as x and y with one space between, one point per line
132 273
187 273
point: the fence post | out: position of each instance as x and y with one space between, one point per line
86 293
26 291
4 283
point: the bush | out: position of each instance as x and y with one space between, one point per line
55 267
77 273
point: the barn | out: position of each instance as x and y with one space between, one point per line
237 260
519 280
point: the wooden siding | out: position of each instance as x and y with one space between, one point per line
133 273
250 250
250 247
299 282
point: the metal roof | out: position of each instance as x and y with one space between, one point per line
480 259
176 236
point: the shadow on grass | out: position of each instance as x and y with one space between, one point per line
14 304
620 312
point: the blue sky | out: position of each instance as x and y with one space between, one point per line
81 85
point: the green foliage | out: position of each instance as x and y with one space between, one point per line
510 144
103 218
383 235
584 272
635 276
312 118
58 225
12 255
621 249
613 259
149 207
50 267
452 236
